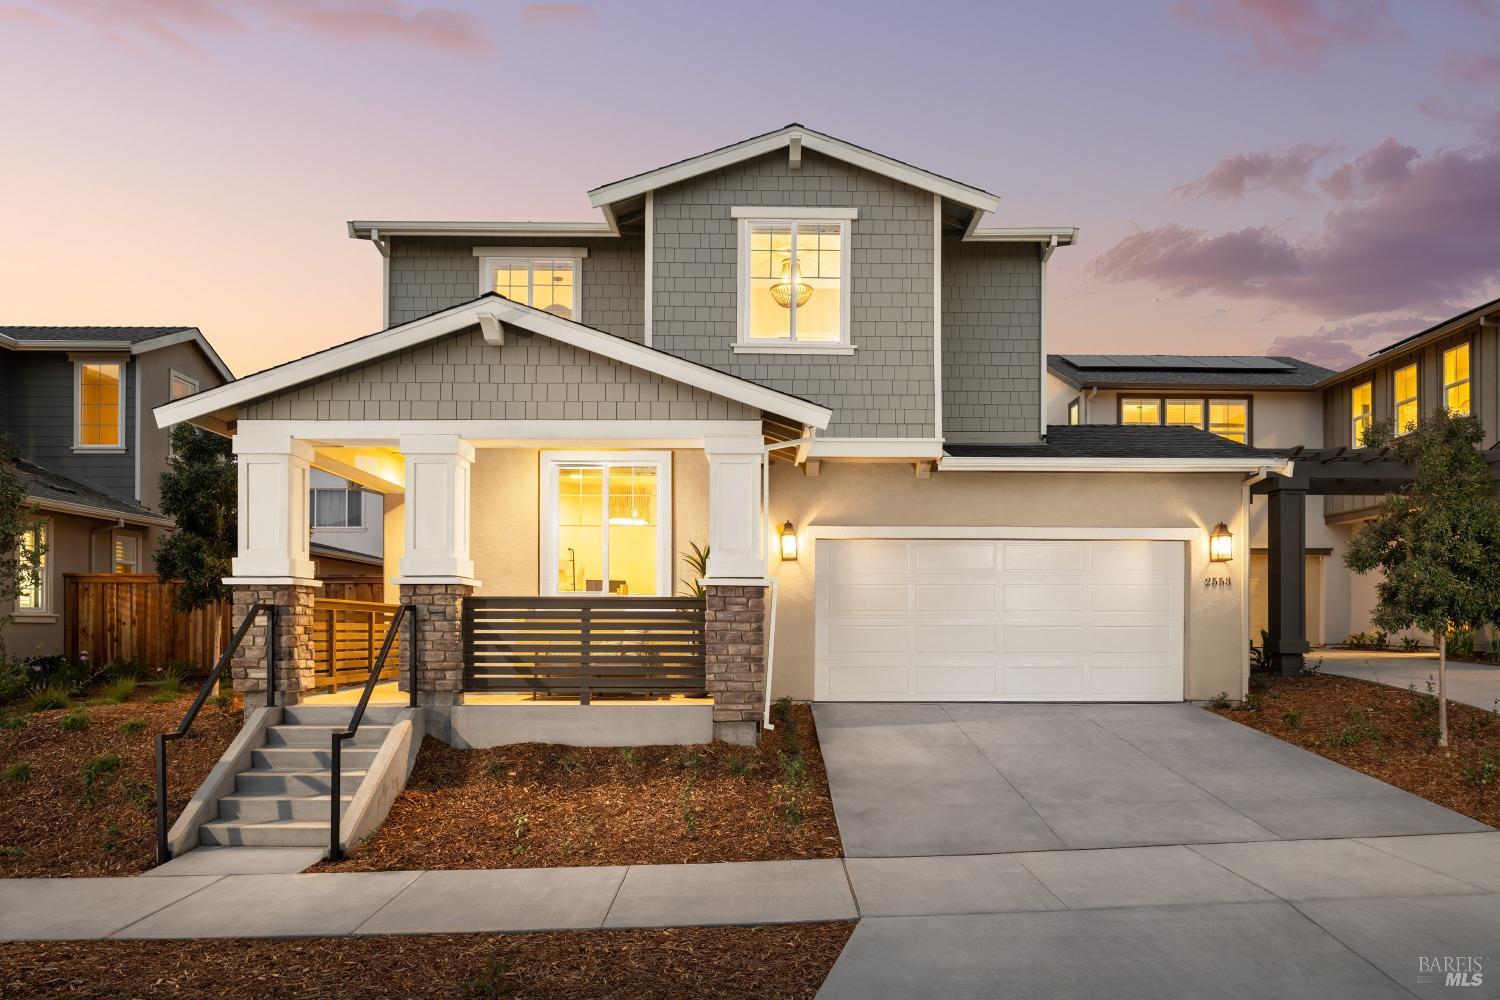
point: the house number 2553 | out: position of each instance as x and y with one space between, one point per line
1210 582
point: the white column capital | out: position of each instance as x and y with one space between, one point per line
438 470
733 444
437 444
273 522
264 442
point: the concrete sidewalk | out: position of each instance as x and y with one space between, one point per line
1476 684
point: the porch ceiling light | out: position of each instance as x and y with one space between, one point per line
788 535
1220 543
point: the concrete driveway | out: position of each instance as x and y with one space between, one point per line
1139 851
1476 684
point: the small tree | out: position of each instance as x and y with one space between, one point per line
20 562
1437 541
199 490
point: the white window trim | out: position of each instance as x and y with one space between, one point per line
1463 381
547 535
1415 398
115 539
745 216
173 373
78 363
44 612
489 257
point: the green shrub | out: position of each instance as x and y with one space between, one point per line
99 774
121 668
689 812
167 691
1220 700
15 678
1379 639
12 722
782 711
75 721
47 697
1293 720
1410 643
18 772
117 691
1484 773
132 726
223 701
1461 644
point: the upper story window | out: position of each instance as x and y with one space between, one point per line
546 278
33 592
794 280
99 416
1456 395
178 387
1075 415
338 508
1361 412
1408 403
1228 418
1185 413
1140 411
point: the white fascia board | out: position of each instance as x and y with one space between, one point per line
576 434
102 513
1065 235
191 336
360 229
781 139
952 463
366 349
894 448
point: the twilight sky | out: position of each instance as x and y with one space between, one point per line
1314 177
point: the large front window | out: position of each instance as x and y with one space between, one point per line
794 283
1361 412
546 283
1408 406
1456 380
100 413
607 523
1228 418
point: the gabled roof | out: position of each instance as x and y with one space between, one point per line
134 339
1183 371
372 347
1436 331
784 138
50 490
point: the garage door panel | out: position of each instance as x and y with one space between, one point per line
1053 680
865 682
1042 639
1043 596
975 681
1128 556
869 557
947 556
956 638
868 598
1138 681
942 598
857 638
1141 597
1043 555
1129 639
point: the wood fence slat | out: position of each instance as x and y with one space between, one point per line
110 616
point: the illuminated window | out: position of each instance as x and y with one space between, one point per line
1140 411
127 554
1361 412
546 283
1230 418
609 526
1408 408
794 282
33 592
1185 413
1074 416
100 414
1456 380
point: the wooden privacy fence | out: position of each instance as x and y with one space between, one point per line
129 616
352 588
582 645
346 640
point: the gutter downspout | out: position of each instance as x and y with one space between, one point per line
1041 312
1093 389
765 504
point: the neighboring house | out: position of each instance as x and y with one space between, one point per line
77 402
806 355
345 517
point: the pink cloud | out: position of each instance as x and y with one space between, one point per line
173 22
1285 171
1347 344
1296 33
560 14
1413 234
1472 67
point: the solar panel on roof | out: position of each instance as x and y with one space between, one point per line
1176 362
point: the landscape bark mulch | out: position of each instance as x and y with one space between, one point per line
538 805
1388 733
783 961
63 822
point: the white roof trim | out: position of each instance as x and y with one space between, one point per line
362 229
1065 235
953 463
399 338
101 513
194 336
183 336
865 159
875 448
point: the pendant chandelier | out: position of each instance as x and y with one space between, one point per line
790 286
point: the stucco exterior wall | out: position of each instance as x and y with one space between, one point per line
154 371
850 493
530 377
991 341
68 551
885 389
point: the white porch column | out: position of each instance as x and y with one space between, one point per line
736 517
273 514
437 510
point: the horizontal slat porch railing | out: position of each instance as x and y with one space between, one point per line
346 641
583 645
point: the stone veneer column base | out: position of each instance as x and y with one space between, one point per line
735 640
294 642
440 643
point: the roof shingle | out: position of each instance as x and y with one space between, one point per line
1117 441
1188 370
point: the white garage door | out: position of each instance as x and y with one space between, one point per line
999 620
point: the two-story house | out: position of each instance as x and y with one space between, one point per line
813 360
77 401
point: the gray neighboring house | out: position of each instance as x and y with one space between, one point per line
77 400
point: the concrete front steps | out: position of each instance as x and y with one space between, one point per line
282 798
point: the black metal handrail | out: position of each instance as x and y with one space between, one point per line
335 775
163 851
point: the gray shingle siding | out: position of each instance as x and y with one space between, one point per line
886 388
39 415
991 340
460 377
432 273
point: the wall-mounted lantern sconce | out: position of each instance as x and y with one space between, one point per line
1220 544
788 535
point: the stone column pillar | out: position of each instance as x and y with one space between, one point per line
440 646
293 605
735 637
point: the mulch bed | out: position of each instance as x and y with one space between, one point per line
784 961
537 805
1387 733
53 824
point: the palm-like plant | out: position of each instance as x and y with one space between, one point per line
697 561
